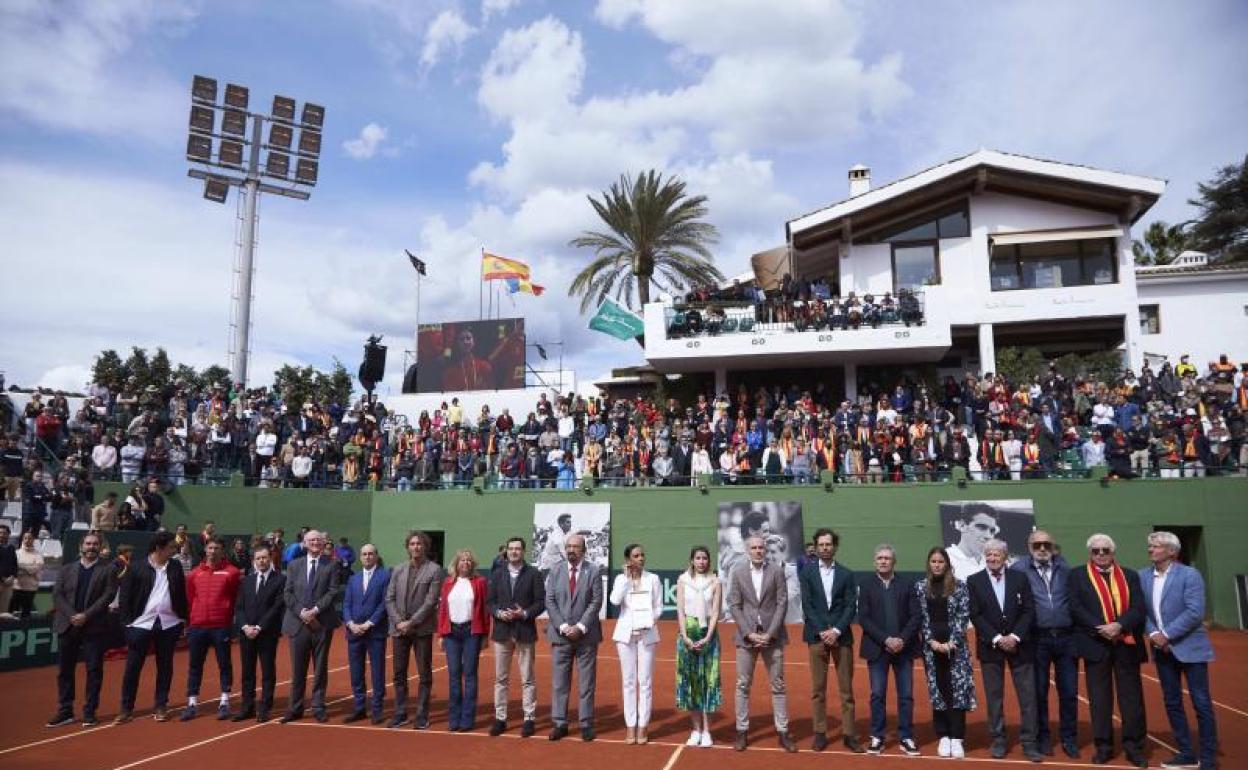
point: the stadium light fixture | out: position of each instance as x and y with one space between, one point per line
313 115
199 148
281 136
203 119
310 142
230 154
284 108
306 171
236 96
277 165
216 189
204 89
234 122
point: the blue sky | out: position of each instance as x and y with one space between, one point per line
457 125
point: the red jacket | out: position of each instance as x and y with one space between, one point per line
480 618
211 594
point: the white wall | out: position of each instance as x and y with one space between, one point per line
1202 317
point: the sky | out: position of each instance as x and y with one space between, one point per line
457 126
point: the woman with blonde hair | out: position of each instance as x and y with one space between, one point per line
463 624
699 595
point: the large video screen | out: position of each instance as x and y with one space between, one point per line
470 355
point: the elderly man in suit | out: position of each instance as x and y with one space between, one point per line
516 596
1107 604
829 603
83 591
1002 610
412 609
1174 595
364 614
258 618
758 599
311 592
573 599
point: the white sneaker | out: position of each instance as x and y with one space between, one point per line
695 738
706 740
943 750
955 748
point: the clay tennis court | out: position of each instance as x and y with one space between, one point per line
29 698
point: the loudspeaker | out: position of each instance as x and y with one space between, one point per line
409 380
373 370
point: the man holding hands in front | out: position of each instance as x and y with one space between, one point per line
312 588
829 603
573 599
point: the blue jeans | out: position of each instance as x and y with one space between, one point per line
1058 652
463 649
375 648
1171 670
902 667
199 640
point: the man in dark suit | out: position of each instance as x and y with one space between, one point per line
1107 604
312 588
83 591
889 614
573 599
258 616
1003 610
412 611
516 596
829 603
364 614
152 601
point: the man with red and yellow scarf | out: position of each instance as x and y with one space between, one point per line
1107 606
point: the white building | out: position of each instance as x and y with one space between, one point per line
1193 307
1006 249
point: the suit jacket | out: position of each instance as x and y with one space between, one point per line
750 610
529 594
1182 612
991 620
412 595
1085 609
264 608
325 593
564 606
820 615
360 606
136 588
871 598
99 595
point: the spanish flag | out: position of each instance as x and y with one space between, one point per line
516 285
494 267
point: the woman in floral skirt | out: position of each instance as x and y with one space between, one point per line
699 596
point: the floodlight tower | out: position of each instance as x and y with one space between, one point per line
227 168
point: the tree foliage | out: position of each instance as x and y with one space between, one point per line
1221 231
144 370
1162 243
299 384
1019 365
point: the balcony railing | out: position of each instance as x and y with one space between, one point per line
698 319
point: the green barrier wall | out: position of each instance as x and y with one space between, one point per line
1212 513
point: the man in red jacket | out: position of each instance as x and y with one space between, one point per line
211 590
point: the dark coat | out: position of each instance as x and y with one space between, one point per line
991 620
818 615
136 588
529 594
1085 609
99 595
871 598
262 609
325 593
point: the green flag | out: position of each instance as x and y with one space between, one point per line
618 321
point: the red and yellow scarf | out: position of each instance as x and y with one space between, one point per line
1114 595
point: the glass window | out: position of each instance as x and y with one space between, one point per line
955 225
1004 268
1053 264
915 266
1050 265
1150 319
1098 261
920 232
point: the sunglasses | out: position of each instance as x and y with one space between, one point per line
1041 544
1101 551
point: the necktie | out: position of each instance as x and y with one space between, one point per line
572 581
260 585
996 575
310 593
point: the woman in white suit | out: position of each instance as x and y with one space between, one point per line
639 595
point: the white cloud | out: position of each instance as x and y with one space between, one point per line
367 143
447 33
534 73
496 7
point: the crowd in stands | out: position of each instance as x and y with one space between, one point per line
804 303
1173 422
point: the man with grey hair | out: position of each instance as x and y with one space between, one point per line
1107 604
1002 609
311 593
889 614
1174 595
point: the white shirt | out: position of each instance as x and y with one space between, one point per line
998 587
159 603
827 573
1159 583
266 443
367 576
756 577
460 600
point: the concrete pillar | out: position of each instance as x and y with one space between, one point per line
721 380
987 349
851 381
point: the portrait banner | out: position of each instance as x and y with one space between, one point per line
779 524
966 525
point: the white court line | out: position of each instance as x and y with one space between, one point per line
675 756
1188 693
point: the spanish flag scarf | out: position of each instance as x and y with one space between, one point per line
1113 594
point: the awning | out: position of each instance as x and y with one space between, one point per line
1040 236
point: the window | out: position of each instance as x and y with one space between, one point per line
915 265
1150 319
1053 264
947 223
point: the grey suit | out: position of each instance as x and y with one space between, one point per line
761 611
581 607
310 641
412 596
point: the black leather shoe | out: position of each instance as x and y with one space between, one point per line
378 718
559 732
1071 749
262 717
497 728
999 751
1102 756
787 743
1035 755
420 723
399 720
527 729
853 746
819 742
587 733
288 718
244 715
321 716
1137 759
356 716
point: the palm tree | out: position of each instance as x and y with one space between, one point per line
653 233
1162 243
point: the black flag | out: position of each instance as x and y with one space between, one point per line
541 351
417 262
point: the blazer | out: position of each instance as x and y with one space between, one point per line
621 597
264 608
871 598
529 594
99 595
1085 609
818 614
360 606
136 585
1182 612
412 595
325 593
750 610
564 606
990 620
480 619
